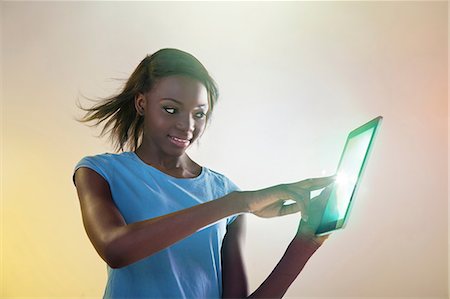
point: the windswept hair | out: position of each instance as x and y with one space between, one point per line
118 114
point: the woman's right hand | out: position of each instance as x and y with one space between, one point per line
273 201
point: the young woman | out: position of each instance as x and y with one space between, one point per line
166 226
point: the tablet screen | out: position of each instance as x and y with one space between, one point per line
351 165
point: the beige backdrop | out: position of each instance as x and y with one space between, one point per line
295 77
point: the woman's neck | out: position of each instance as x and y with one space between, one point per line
177 166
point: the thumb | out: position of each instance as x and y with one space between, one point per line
321 200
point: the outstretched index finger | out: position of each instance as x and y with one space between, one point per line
318 183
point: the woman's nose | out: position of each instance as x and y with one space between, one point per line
185 123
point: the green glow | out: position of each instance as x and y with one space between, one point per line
347 176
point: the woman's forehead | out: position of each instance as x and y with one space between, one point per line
181 88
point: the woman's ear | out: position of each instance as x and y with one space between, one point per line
139 103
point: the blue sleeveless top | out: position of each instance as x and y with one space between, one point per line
190 268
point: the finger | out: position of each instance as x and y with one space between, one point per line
290 209
304 217
322 199
303 205
304 201
317 183
299 194
326 192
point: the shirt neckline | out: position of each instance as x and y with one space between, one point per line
136 157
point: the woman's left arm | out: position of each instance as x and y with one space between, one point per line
299 251
234 279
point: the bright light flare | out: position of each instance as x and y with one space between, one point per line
344 180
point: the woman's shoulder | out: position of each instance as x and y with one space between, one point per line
221 178
106 157
105 163
214 173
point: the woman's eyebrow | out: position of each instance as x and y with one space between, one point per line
181 103
173 100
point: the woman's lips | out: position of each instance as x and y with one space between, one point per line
180 142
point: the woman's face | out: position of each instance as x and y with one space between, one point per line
174 113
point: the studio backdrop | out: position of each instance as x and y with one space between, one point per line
294 79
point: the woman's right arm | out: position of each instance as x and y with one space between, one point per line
121 244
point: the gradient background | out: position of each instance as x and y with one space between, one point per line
294 77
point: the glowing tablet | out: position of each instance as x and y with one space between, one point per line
353 161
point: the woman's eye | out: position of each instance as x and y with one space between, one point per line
200 114
169 110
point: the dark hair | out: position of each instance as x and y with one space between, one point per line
122 121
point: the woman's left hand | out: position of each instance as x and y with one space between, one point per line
311 218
